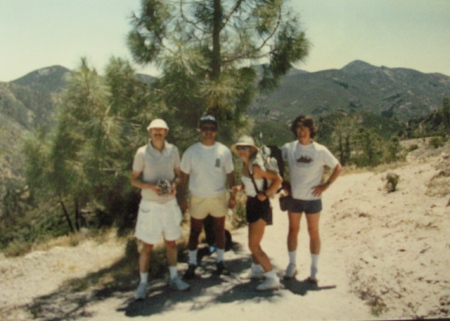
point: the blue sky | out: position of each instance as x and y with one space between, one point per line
394 33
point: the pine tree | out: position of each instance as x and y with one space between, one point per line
207 51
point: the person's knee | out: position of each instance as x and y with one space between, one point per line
254 247
196 230
293 230
171 244
313 231
146 248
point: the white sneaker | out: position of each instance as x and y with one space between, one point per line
178 284
252 274
141 292
291 272
269 284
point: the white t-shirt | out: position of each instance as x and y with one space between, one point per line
207 167
306 166
156 165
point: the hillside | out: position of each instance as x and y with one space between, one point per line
25 104
395 93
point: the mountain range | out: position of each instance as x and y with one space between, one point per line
396 93
390 93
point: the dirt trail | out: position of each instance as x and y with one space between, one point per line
383 256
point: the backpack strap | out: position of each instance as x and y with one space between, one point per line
254 183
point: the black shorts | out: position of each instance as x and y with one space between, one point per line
256 209
308 207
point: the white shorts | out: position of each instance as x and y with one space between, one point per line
156 220
216 206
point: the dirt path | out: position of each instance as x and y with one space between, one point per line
364 256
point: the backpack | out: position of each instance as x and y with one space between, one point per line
272 158
273 162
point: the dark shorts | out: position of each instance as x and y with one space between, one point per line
255 210
308 207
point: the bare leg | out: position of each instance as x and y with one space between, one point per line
313 230
294 228
255 235
219 232
196 229
144 257
171 252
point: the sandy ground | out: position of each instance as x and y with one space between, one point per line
384 256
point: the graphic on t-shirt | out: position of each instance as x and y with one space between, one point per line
304 159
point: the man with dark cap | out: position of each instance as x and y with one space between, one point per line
207 165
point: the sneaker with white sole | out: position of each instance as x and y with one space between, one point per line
291 272
253 275
141 292
178 284
269 284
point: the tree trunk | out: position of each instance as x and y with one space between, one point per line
217 25
66 214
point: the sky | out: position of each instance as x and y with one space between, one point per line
411 34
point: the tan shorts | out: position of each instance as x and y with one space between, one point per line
156 221
216 206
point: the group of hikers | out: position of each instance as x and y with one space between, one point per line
203 173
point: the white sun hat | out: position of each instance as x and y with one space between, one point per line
158 123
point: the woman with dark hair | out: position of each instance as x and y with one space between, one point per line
258 210
306 159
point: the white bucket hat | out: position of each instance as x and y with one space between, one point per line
244 141
158 123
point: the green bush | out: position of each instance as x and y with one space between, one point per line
436 142
392 180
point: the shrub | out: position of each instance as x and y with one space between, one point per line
436 142
392 180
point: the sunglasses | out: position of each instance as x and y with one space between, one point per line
243 147
208 128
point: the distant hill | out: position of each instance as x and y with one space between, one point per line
25 104
395 93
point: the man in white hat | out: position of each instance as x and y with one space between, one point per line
207 165
156 169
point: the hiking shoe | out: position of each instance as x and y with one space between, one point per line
221 269
178 284
190 272
269 284
291 272
253 275
141 292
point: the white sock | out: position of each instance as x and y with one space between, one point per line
144 277
292 257
173 271
220 253
270 275
192 257
257 267
314 261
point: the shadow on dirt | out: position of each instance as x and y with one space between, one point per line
73 299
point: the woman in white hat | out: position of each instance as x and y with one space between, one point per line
258 210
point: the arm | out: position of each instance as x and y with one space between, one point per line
319 189
136 181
